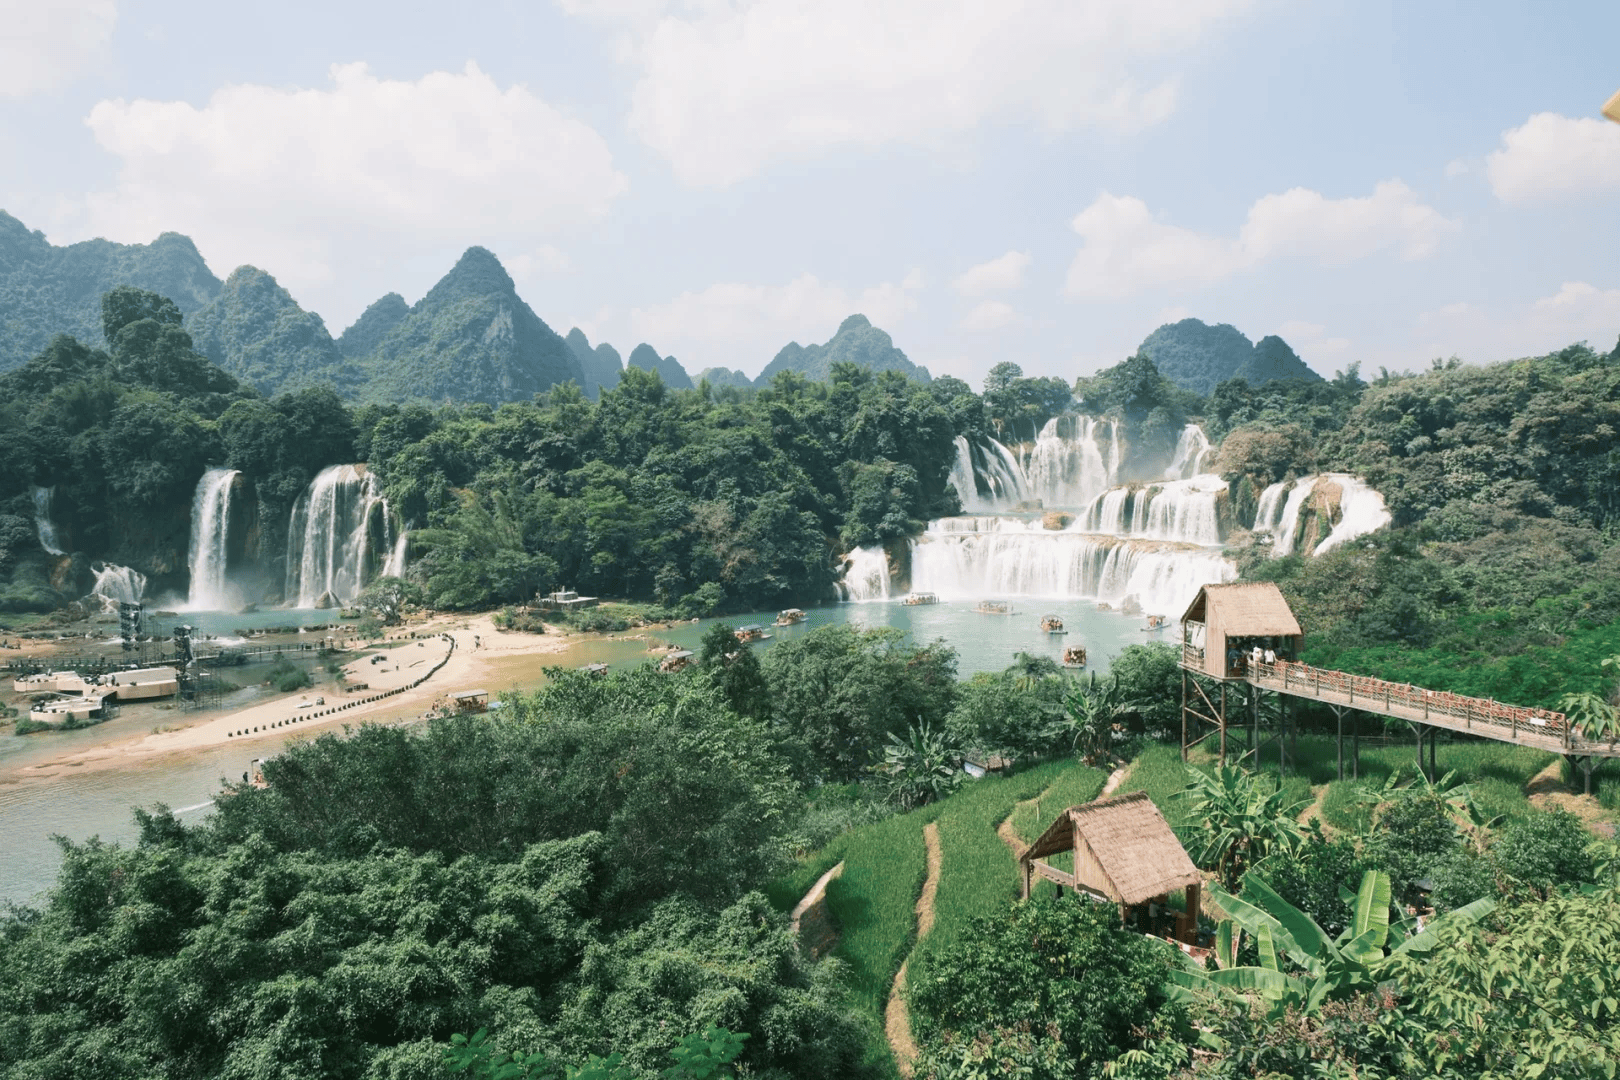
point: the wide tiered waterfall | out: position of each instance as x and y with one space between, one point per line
210 535
48 538
1058 519
332 537
117 584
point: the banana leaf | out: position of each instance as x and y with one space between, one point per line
1424 941
1372 907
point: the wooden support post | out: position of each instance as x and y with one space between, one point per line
1183 718
1339 714
1254 708
1223 721
1434 748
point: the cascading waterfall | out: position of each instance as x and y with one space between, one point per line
867 575
991 557
117 584
1191 448
210 534
987 477
328 537
1287 529
395 566
1361 511
1187 511
1067 467
1267 513
48 538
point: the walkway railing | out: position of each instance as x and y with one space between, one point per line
1482 716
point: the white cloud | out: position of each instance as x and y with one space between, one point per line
1552 155
1578 311
45 43
726 88
1127 250
743 326
367 169
992 315
1000 274
1311 340
541 262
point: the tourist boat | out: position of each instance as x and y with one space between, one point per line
913 599
994 607
676 660
752 632
790 616
1052 624
1074 656
1157 622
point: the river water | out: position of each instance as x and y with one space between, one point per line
97 803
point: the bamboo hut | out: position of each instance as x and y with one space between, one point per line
1125 853
1224 622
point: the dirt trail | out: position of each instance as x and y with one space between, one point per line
1314 810
1009 836
1547 790
896 1018
812 926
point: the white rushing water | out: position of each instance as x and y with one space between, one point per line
964 558
210 534
329 537
1361 511
1268 512
1187 511
395 566
1068 467
1191 449
866 576
1287 529
117 584
48 538
987 476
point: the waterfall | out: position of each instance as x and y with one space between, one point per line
1190 451
117 584
42 521
987 477
1187 511
867 575
994 557
1266 514
329 537
210 533
1361 511
1067 468
1289 525
1107 512
395 566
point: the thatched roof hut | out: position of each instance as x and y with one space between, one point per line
1223 617
1124 852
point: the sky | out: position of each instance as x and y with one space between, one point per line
1041 181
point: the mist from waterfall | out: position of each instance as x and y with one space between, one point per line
329 537
210 535
117 584
48 538
1068 467
867 575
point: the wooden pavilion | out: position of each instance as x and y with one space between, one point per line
1124 853
1225 623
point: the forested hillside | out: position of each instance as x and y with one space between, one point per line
857 342
255 330
47 290
1199 357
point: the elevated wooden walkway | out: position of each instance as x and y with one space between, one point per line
1540 728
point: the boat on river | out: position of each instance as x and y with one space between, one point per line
994 607
1155 623
1074 656
1052 624
916 598
790 616
751 632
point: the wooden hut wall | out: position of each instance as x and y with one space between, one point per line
1088 872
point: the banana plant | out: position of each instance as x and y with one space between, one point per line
1317 967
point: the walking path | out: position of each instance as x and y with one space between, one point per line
896 1018
812 926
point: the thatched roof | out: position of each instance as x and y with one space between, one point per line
1246 609
1132 843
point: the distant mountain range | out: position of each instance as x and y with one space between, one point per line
471 338
1193 354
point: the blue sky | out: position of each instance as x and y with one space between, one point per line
1043 182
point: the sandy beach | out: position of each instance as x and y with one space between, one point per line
482 657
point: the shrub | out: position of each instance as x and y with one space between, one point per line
1545 850
287 676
